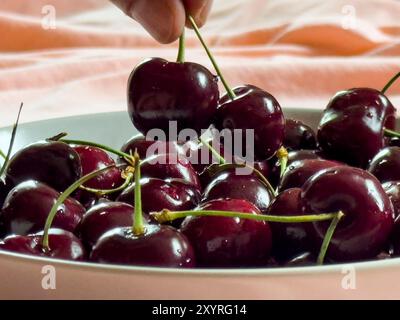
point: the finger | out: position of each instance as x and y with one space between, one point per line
198 9
163 19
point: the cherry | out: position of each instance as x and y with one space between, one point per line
386 164
393 142
301 260
102 218
147 148
229 184
160 91
28 204
170 166
395 238
299 136
228 242
51 162
160 194
4 190
289 239
351 129
252 108
64 245
392 189
368 212
143 244
300 171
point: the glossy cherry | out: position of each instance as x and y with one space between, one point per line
4 189
101 218
160 91
369 216
52 162
27 206
299 136
386 164
170 166
253 109
351 129
299 172
289 239
392 189
229 184
301 260
63 245
228 242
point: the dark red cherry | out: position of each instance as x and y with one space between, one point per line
369 216
393 142
254 109
299 136
102 218
392 189
27 206
147 148
157 194
289 239
395 238
386 164
160 91
301 260
63 245
298 172
4 190
51 162
228 242
160 246
170 166
229 184
351 129
93 159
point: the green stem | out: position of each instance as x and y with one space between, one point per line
102 192
181 50
391 133
220 158
62 198
98 145
166 216
389 84
11 144
328 238
138 225
2 155
211 57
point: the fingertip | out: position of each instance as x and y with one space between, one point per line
199 10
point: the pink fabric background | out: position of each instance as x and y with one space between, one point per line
297 50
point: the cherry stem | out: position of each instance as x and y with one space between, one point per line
181 50
282 155
126 156
60 200
138 228
389 84
127 175
211 57
167 216
391 133
2 154
217 155
328 237
11 144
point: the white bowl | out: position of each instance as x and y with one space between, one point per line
22 276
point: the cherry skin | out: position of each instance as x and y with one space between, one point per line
157 194
51 162
351 129
170 166
228 242
27 206
392 189
160 91
229 184
289 239
4 190
386 164
254 109
299 136
160 246
63 245
102 218
299 172
301 260
369 216
147 148
393 142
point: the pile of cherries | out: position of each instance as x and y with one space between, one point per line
325 197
